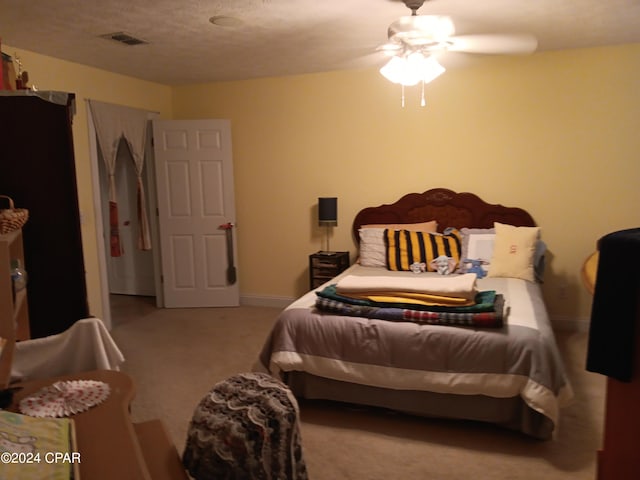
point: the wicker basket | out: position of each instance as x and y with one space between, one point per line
12 218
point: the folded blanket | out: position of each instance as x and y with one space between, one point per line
483 302
410 297
463 286
488 319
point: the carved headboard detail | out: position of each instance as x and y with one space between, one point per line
448 208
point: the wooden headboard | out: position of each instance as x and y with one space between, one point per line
448 208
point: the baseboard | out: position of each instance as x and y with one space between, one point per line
564 323
265 301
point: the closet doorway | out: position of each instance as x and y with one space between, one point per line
136 272
132 273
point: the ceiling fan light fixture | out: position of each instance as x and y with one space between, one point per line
430 69
415 40
411 69
395 70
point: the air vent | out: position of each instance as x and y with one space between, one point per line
125 38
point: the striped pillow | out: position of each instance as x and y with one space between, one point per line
405 248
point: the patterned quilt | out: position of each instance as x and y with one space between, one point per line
488 311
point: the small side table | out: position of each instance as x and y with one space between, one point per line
323 266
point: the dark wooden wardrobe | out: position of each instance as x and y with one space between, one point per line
37 170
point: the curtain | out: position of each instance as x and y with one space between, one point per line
113 122
135 134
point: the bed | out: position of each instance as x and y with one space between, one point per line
499 364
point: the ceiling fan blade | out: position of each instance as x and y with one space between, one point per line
375 59
456 60
390 48
495 44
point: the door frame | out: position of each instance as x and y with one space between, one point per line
98 218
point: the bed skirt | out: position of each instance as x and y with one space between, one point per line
511 413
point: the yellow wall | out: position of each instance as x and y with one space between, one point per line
48 73
553 133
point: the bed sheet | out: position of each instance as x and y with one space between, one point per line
519 359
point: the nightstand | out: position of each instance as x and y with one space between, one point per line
324 266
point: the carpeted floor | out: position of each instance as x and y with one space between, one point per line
176 355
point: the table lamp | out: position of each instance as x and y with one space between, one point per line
327 216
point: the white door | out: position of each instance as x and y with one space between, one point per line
194 171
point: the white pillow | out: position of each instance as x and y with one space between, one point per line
372 248
513 252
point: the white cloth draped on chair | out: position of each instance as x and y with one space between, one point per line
86 345
114 122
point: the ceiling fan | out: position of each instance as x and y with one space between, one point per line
416 42
435 33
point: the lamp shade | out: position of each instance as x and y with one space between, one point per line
410 69
328 211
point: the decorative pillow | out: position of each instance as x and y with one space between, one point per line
477 244
513 252
373 249
405 248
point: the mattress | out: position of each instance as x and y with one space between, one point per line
518 364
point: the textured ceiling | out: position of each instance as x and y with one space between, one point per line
282 37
